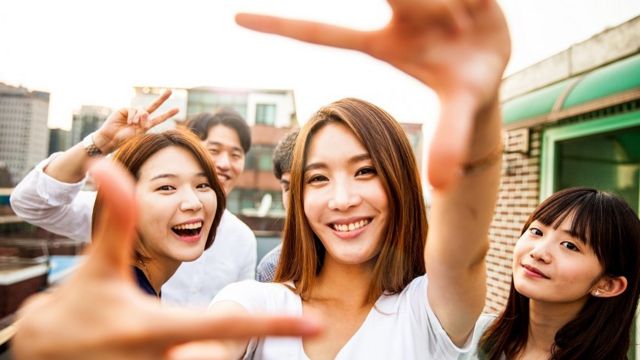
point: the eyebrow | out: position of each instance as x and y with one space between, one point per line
217 143
172 176
352 160
572 234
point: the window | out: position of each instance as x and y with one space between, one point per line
266 114
259 158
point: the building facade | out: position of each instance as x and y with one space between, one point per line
24 137
59 140
87 120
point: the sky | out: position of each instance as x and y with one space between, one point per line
93 52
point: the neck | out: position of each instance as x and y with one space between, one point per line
545 319
158 271
348 284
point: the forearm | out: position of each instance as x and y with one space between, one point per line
55 206
458 235
461 214
70 166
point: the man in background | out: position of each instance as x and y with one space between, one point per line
282 156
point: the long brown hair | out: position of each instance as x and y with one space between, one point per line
602 328
401 257
137 150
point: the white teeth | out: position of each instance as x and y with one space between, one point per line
191 226
350 227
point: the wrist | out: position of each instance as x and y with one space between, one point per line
102 142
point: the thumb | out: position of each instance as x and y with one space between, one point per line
451 140
115 215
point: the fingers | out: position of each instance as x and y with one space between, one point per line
181 326
308 31
451 140
159 101
161 118
138 117
115 227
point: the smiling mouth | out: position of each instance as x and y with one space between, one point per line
192 229
351 226
223 177
535 271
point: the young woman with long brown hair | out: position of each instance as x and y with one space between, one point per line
355 246
575 284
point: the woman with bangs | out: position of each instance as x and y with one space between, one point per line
179 198
575 284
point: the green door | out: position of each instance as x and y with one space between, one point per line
602 153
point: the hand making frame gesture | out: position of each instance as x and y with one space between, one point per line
458 48
100 313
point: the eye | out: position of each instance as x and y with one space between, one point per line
214 151
316 179
569 245
165 188
285 186
203 186
236 156
535 231
369 170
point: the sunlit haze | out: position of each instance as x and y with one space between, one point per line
94 52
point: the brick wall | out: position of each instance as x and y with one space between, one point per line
518 197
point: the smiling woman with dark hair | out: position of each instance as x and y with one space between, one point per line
180 202
575 282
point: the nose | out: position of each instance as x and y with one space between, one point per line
190 201
222 161
540 252
344 196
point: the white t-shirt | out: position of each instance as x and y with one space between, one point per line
64 209
400 326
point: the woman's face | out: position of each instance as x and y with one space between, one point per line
553 265
344 200
176 205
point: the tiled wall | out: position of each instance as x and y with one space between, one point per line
518 197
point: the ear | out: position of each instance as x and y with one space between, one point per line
609 286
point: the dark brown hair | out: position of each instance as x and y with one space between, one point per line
602 328
201 123
138 149
283 154
401 256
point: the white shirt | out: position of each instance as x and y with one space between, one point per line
400 326
64 209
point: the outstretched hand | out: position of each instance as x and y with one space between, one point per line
459 48
128 122
99 313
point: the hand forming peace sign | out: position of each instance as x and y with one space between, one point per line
127 122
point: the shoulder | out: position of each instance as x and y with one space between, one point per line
271 258
267 266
